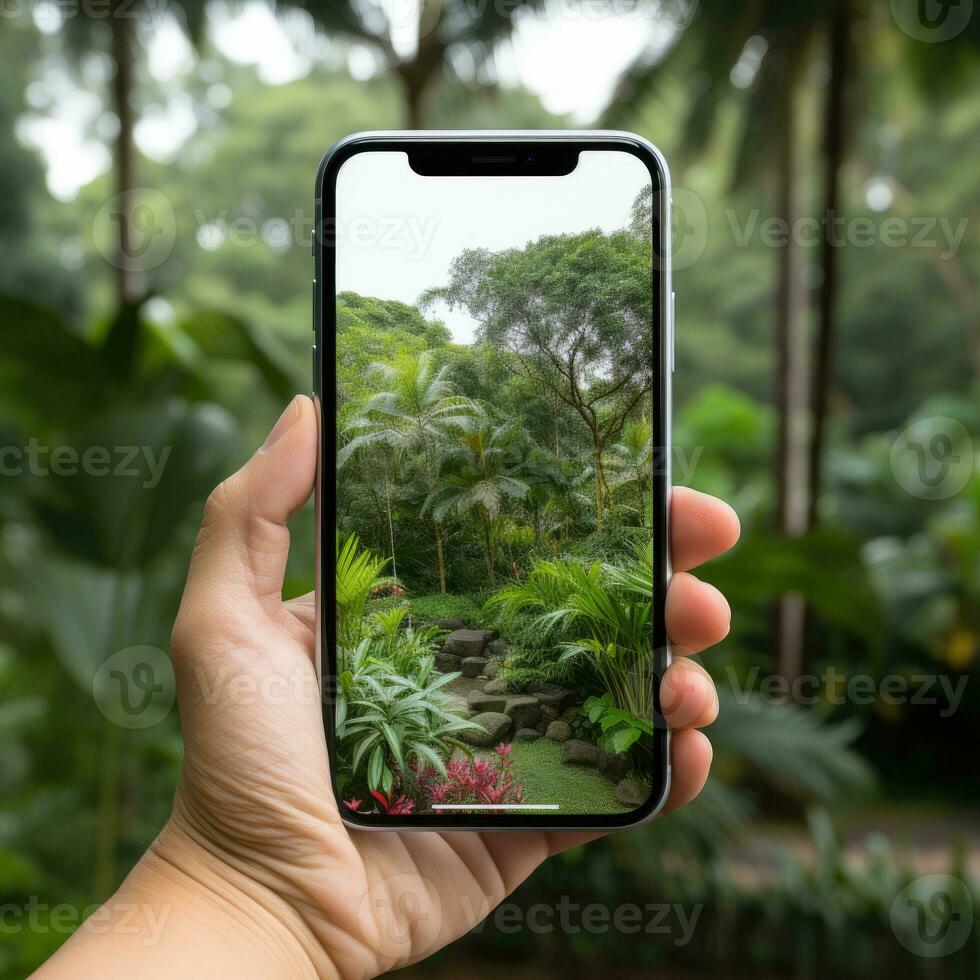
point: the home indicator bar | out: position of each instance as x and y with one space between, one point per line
495 806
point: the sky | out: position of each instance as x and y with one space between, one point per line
391 252
571 57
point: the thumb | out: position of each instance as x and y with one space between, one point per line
242 546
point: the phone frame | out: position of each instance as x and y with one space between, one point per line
490 146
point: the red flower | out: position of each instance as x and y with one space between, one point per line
400 806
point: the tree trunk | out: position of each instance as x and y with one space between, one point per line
598 488
413 104
833 146
440 557
791 455
557 407
391 528
122 84
491 554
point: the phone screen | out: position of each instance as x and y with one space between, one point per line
496 495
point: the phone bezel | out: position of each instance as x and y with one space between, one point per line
491 144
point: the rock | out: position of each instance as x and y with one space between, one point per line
495 687
472 666
549 712
497 727
575 752
631 793
482 677
551 694
541 726
458 755
527 735
559 731
447 662
450 624
570 714
468 643
492 669
496 648
525 711
478 701
613 765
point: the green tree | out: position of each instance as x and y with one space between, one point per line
630 460
83 34
441 27
571 314
488 465
413 412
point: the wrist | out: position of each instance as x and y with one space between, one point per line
225 897
183 912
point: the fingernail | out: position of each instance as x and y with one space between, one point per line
288 417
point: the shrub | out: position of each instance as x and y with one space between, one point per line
387 587
432 608
616 542
488 779
404 648
608 610
387 719
620 729
357 571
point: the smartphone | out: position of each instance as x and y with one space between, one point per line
492 361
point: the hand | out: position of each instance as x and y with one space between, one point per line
261 876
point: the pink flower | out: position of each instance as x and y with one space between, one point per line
400 806
354 805
483 780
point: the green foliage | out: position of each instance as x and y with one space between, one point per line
614 542
389 716
356 572
404 647
892 587
620 729
432 608
606 611
800 753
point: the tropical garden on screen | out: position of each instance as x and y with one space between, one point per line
494 579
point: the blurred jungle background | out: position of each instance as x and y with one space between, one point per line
155 210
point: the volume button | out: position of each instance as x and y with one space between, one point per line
673 327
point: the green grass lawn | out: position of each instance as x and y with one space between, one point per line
578 789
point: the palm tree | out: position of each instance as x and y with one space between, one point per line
484 468
416 408
440 27
83 33
606 609
629 460
780 39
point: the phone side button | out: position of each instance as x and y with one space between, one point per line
673 325
315 392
